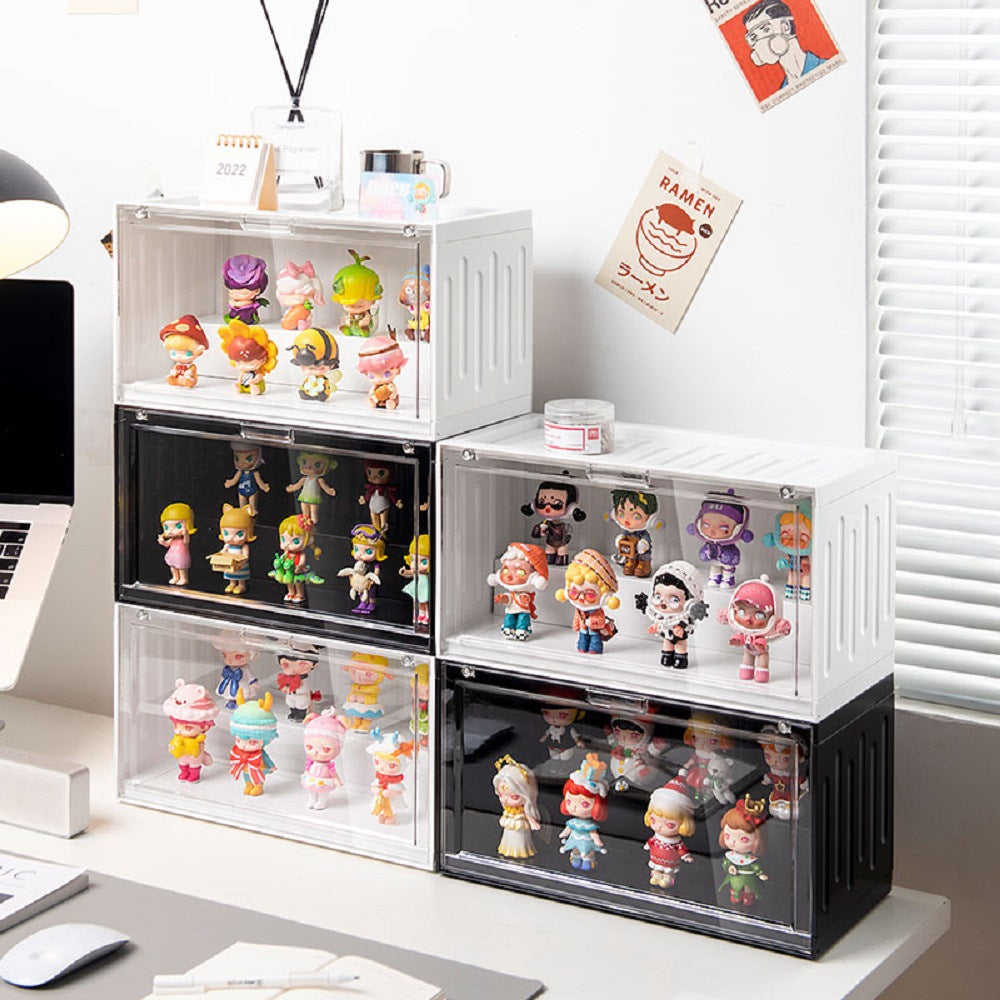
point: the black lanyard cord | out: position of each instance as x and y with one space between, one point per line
295 91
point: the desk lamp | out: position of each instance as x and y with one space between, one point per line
33 221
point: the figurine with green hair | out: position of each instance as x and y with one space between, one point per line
357 290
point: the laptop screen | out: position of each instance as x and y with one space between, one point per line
36 397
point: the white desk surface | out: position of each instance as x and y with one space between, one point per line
494 928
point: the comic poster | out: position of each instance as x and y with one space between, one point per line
668 241
780 46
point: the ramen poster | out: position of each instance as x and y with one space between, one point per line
668 241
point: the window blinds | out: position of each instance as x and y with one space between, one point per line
935 333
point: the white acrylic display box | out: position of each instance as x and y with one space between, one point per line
841 640
154 648
475 368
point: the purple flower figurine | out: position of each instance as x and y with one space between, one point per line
246 279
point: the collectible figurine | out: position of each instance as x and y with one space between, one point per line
233 559
792 537
784 772
367 551
673 605
312 469
591 585
184 341
380 361
517 790
177 522
294 668
388 755
418 571
236 677
317 355
323 737
585 801
362 707
556 503
246 279
722 521
631 510
707 769
379 492
560 737
191 709
420 687
670 816
742 837
251 352
357 290
754 611
291 563
630 743
247 460
524 572
298 292
253 727
415 294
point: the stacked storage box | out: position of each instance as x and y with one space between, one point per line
303 605
776 773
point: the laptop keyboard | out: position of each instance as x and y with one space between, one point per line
12 538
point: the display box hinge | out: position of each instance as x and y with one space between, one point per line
612 701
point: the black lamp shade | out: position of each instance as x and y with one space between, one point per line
33 221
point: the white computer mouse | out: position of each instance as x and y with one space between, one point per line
54 951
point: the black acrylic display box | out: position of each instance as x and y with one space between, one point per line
165 458
827 832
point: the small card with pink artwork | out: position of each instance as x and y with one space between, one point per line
668 241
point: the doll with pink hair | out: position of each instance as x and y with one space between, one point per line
323 737
298 291
380 361
754 611
193 713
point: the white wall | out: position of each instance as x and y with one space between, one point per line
558 105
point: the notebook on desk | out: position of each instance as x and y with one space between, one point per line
244 959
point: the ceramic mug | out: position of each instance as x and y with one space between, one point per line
405 161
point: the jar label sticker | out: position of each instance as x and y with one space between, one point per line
668 241
780 46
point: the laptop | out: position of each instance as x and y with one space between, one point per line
36 454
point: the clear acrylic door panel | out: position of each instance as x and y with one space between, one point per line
673 564
318 782
280 276
323 531
694 817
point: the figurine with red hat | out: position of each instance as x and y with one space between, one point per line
670 815
754 611
591 586
742 836
585 801
524 571
184 341
785 757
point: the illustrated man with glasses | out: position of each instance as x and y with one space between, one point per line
770 34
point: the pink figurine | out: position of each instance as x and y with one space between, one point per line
381 360
754 611
191 709
323 737
298 291
524 572
670 816
177 522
